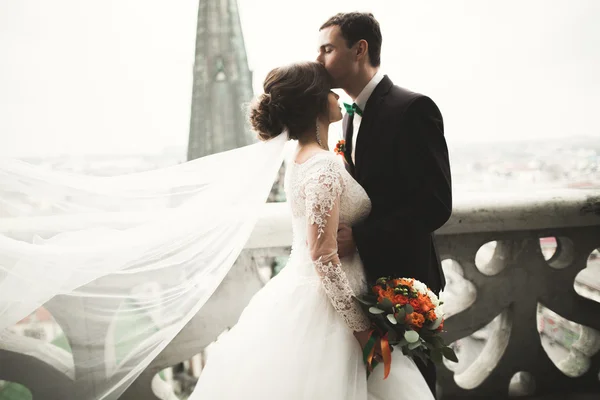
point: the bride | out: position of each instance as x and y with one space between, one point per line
301 336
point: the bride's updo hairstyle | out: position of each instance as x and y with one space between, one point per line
294 96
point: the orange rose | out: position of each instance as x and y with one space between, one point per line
387 294
431 316
416 305
425 302
400 299
340 147
418 320
377 290
415 319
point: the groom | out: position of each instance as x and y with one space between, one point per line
395 149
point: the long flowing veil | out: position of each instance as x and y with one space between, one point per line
149 247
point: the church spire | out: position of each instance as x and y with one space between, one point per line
222 82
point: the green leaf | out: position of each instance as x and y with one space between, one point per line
437 342
436 356
400 315
392 319
411 336
375 310
386 304
449 354
364 301
408 309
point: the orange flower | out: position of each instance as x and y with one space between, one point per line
387 293
378 290
416 305
340 147
400 299
425 303
431 316
415 319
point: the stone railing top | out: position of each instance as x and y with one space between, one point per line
485 212
472 212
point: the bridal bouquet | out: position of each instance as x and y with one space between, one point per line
406 314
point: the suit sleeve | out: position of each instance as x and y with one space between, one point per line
429 204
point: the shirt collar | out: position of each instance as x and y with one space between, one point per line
363 97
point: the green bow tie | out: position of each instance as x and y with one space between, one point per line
351 109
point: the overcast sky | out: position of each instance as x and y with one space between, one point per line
108 76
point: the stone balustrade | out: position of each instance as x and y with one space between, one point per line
522 314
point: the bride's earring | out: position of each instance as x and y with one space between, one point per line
319 136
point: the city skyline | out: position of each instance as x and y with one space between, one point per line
100 78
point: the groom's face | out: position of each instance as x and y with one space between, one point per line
336 56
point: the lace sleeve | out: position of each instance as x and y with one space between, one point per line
322 192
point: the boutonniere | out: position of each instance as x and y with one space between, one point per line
340 148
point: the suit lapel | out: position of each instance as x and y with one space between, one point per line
365 134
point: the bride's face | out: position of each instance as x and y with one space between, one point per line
335 111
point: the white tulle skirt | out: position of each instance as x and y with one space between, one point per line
290 343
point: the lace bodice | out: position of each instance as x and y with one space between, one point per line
322 194
354 202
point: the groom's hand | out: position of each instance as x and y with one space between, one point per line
345 241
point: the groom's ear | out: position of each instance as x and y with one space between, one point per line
362 49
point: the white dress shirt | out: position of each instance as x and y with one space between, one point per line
361 102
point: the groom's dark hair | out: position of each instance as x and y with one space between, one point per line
356 26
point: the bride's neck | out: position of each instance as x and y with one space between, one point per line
309 137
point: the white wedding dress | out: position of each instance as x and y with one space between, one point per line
295 338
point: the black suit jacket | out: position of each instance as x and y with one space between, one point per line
402 163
